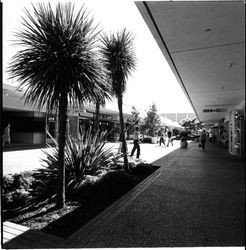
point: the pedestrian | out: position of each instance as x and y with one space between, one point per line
6 135
136 143
162 140
169 138
214 138
203 139
210 136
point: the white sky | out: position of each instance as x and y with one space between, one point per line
153 80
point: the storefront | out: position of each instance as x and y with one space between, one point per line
237 133
26 127
30 126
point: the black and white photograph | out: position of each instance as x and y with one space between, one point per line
123 124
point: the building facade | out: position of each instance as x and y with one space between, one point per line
206 53
29 125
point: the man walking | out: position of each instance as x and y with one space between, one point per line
203 139
162 138
169 138
136 143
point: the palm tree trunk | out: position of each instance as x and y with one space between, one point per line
60 202
97 115
120 102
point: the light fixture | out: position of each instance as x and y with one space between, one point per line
207 30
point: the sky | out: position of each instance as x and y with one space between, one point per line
152 82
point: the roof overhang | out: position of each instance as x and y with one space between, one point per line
204 44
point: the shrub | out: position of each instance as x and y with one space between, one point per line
7 183
146 140
106 188
16 190
84 156
184 133
142 168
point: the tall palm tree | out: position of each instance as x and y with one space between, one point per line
120 61
97 113
57 63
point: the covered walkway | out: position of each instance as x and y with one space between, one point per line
196 199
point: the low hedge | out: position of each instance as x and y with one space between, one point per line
146 140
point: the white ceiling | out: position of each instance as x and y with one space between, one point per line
204 44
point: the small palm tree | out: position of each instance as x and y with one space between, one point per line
119 56
58 65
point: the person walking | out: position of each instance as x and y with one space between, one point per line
162 138
136 143
214 138
6 135
203 139
169 138
210 136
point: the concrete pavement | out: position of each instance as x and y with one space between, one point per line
25 160
196 199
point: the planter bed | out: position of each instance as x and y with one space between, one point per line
87 203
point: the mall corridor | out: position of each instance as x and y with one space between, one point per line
195 199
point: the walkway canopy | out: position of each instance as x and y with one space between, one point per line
169 123
204 44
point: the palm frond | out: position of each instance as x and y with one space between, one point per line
84 156
58 52
119 58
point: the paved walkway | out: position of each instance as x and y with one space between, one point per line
15 161
195 199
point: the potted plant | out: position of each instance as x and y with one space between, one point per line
183 143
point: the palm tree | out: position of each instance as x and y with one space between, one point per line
99 102
118 53
57 63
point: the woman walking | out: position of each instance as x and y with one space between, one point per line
136 143
6 135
